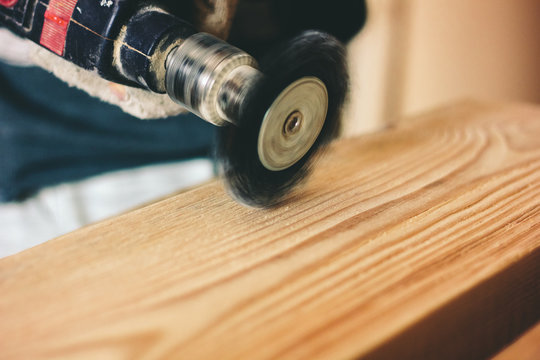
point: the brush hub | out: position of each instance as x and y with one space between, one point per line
292 123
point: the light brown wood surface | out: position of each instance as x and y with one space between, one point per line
527 347
417 242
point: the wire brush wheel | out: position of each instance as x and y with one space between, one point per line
285 120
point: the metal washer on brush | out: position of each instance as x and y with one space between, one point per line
292 123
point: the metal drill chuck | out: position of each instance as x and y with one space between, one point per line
210 77
213 79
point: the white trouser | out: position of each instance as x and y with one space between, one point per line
63 208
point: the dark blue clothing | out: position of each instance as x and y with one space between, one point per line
52 133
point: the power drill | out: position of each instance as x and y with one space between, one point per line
273 118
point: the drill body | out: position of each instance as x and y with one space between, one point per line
124 41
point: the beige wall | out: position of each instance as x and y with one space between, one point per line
417 54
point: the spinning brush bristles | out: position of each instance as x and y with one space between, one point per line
262 157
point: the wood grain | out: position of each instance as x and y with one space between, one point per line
418 242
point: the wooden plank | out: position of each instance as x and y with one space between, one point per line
419 242
526 347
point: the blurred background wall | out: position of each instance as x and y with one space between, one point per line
416 54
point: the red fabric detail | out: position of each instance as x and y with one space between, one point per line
55 24
8 3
